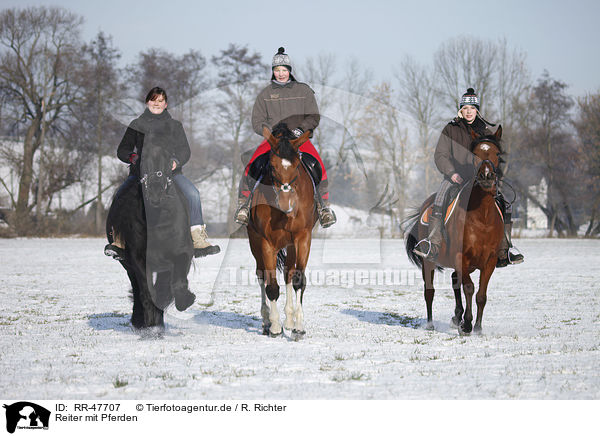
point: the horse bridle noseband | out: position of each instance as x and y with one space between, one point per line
159 174
477 181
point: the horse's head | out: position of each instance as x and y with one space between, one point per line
284 163
156 174
488 150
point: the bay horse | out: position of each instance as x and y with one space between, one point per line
150 216
282 216
475 230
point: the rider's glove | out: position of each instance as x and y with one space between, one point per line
133 157
297 132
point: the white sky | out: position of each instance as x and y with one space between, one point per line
559 36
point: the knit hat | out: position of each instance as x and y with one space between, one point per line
469 98
281 59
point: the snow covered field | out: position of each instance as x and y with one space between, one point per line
64 328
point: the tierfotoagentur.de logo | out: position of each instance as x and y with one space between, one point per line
25 415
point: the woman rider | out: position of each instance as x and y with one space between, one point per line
289 101
157 126
454 160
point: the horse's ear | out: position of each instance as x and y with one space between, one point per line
498 133
269 136
296 143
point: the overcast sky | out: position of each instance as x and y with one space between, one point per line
560 36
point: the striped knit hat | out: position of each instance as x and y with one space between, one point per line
469 98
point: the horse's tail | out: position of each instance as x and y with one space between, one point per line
410 225
281 259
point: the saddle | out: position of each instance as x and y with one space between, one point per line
452 200
260 167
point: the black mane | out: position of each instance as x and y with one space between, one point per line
284 135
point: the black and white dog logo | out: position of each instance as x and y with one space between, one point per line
25 415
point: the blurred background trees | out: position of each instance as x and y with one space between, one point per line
65 103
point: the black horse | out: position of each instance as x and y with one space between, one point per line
152 220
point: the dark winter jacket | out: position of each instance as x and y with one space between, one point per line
157 130
452 153
293 103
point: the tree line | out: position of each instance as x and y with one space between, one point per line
65 103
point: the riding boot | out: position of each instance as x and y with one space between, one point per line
429 248
116 249
327 216
505 257
201 245
242 213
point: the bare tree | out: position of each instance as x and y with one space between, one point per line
383 130
587 125
239 69
38 48
97 129
418 98
465 62
548 148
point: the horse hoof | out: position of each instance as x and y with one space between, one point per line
455 322
429 326
477 330
184 300
298 334
464 330
275 335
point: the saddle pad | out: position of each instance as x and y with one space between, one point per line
427 213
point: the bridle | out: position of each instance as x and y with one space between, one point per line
283 187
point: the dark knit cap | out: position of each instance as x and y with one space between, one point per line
469 98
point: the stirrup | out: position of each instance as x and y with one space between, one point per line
242 215
432 250
327 217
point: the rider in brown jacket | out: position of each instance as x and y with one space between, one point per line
456 162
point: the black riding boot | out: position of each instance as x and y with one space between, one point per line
505 257
429 248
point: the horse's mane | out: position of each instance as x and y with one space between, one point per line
486 138
285 135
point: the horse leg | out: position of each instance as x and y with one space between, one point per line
458 310
184 298
290 264
153 316
302 247
428 270
469 289
137 316
481 297
269 257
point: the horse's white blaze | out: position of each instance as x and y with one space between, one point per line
286 163
289 307
274 318
484 147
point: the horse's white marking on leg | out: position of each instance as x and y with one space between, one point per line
274 318
289 307
286 163
299 314
264 307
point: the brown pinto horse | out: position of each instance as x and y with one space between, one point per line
282 215
475 231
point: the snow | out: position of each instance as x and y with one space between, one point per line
65 333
